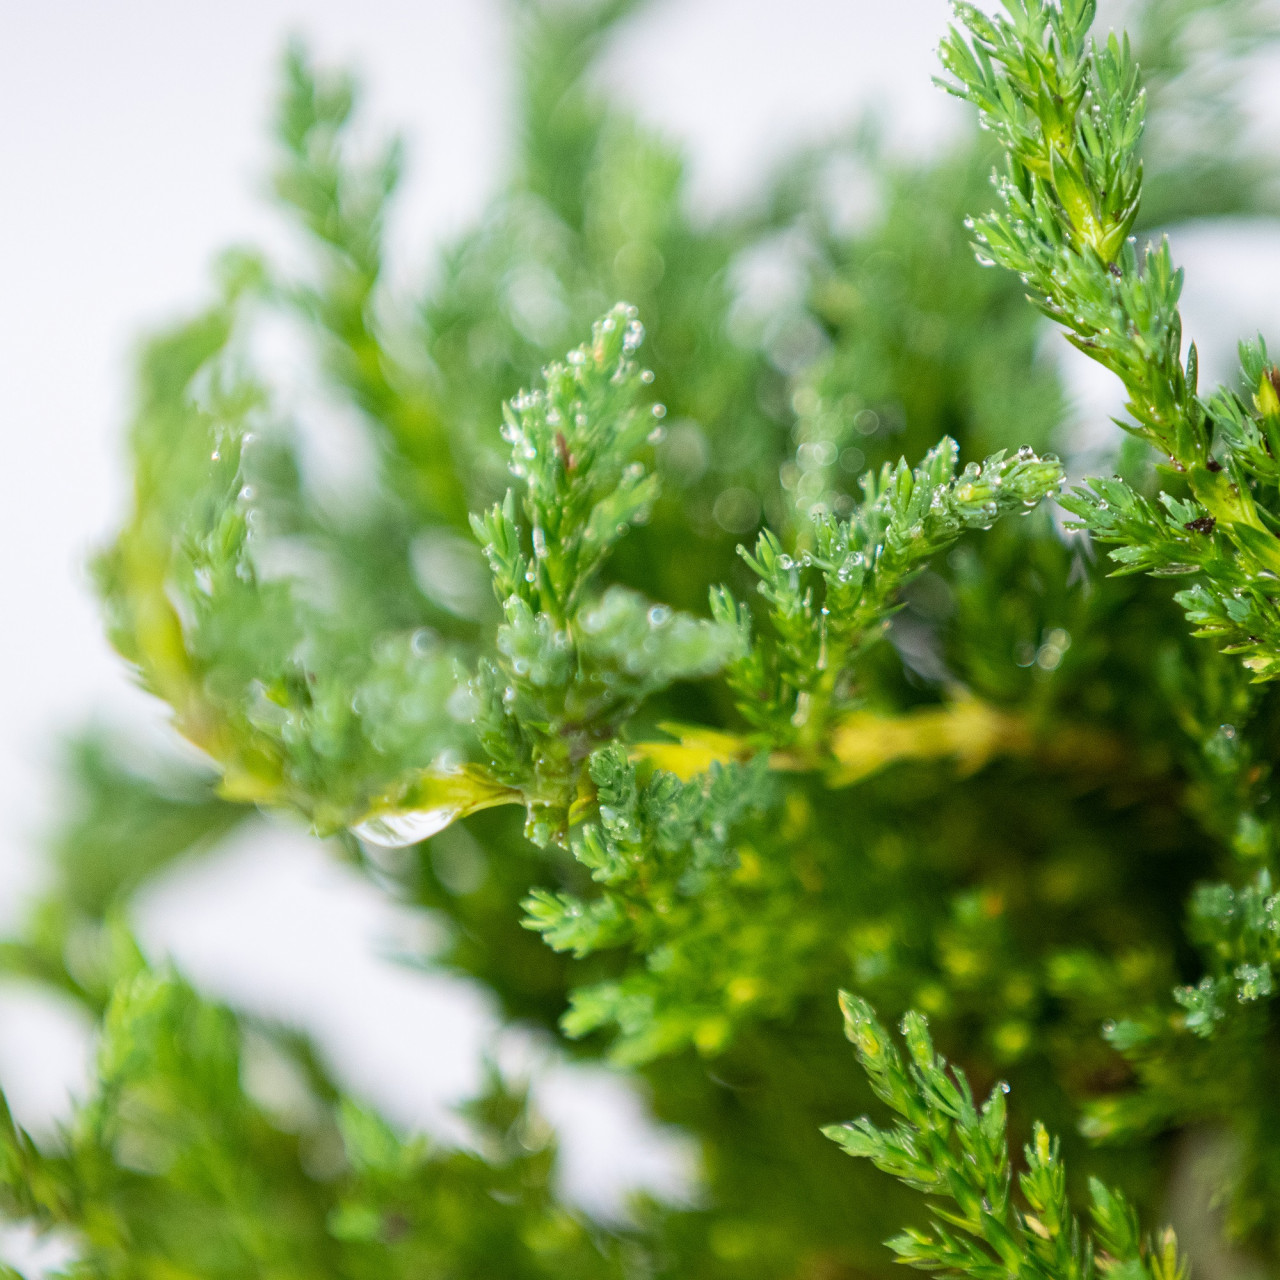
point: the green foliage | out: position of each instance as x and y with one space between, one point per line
916 749
299 700
669 858
1069 116
958 1153
173 1168
576 665
905 518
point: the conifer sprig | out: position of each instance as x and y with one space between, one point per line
1069 114
573 445
958 1154
829 602
572 666
679 864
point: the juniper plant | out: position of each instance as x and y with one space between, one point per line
737 659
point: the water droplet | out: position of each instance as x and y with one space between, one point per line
646 375
634 337
1004 1086
1048 657
659 410
248 493
461 705
216 456
396 830
659 615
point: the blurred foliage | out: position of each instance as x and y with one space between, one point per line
177 1167
913 742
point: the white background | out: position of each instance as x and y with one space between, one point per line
132 148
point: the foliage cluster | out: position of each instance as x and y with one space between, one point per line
686 713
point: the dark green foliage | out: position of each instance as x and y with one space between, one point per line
914 749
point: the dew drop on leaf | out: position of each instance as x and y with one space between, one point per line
395 831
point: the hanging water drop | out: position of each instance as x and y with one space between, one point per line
397 830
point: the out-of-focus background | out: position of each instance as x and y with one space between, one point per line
133 148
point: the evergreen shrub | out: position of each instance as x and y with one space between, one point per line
741 655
